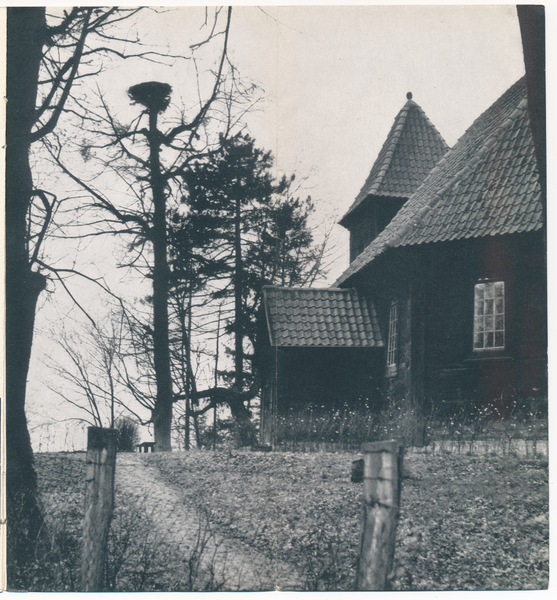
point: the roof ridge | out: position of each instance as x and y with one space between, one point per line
270 286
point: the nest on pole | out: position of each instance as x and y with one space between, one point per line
155 96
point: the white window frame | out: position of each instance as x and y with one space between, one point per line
489 316
392 339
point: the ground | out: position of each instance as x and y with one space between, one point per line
466 522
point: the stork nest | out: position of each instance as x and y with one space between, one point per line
155 96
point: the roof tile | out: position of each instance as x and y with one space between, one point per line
492 170
411 150
320 318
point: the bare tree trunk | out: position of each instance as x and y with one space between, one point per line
242 416
216 379
238 307
26 33
162 412
242 421
188 360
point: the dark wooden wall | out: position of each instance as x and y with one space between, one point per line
325 377
293 379
434 285
453 369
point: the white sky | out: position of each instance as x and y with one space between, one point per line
334 78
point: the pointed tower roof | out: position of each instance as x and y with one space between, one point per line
412 148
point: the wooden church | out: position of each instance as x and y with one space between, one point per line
444 300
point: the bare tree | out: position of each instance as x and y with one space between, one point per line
46 58
151 161
89 371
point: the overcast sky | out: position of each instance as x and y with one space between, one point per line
333 79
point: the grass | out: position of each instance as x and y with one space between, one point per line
466 522
456 422
346 425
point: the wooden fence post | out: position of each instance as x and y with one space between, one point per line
382 470
99 504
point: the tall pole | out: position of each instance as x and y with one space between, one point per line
155 96
162 413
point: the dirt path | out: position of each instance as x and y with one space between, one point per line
224 560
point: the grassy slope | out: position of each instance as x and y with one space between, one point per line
137 561
466 522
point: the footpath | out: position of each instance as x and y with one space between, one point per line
235 565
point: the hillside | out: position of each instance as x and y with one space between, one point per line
466 522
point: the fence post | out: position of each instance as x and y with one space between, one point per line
382 470
99 504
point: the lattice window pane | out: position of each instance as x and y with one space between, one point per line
489 315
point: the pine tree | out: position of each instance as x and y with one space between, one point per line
242 230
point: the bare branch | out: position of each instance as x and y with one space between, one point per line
168 138
102 201
212 33
75 61
46 222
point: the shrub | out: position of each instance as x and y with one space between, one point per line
137 559
244 433
128 437
52 562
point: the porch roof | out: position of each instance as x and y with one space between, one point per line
312 317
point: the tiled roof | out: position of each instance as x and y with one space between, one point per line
412 148
486 185
331 317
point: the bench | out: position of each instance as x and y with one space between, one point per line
146 447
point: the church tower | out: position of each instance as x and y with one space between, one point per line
411 150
